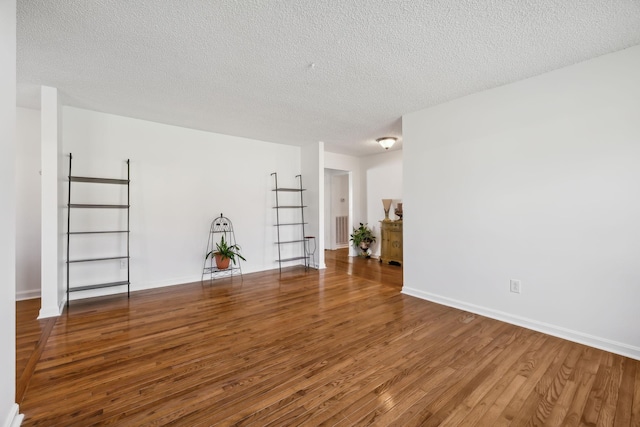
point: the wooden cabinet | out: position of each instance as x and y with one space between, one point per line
391 241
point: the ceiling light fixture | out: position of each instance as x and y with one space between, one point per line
387 142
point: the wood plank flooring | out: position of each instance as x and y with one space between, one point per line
340 347
31 337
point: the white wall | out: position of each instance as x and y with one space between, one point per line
8 408
181 179
537 181
28 204
340 194
327 211
382 174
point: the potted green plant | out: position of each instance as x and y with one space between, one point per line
224 253
362 238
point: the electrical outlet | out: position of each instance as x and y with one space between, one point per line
123 264
514 286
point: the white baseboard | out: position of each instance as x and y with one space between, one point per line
546 328
46 312
164 283
317 266
28 294
14 417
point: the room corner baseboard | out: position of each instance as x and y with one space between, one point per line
29 294
14 417
546 328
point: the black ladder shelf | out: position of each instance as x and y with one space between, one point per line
125 232
295 224
220 227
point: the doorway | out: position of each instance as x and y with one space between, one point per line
338 208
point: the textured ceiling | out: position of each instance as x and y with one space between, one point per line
300 71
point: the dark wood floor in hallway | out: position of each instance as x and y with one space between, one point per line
338 347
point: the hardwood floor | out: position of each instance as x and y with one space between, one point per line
31 337
340 347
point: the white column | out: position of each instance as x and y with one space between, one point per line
312 163
8 408
320 177
51 302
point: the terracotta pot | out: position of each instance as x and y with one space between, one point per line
222 263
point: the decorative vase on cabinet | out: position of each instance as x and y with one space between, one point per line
391 247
